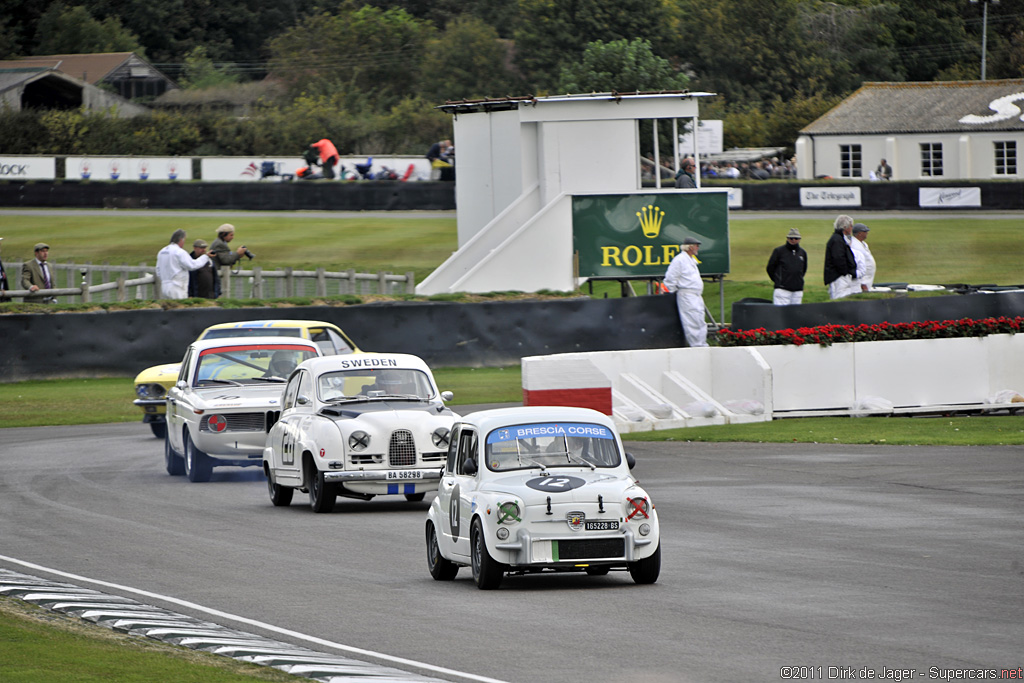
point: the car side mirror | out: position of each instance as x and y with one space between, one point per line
447 396
469 467
181 384
302 401
630 460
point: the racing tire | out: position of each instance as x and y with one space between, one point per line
321 494
487 572
440 568
172 461
415 497
198 467
280 496
159 429
646 570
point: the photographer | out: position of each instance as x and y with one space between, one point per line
222 255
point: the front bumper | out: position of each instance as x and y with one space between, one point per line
152 407
543 550
387 476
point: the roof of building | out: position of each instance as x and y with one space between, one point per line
940 107
504 103
91 68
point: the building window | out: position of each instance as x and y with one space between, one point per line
849 161
931 158
1006 158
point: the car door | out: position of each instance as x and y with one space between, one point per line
284 437
174 424
459 490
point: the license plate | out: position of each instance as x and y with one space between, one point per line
405 474
601 526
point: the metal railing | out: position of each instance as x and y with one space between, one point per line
105 283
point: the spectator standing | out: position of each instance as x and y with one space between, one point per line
683 278
328 156
786 267
884 171
865 260
685 178
222 255
840 265
4 288
200 282
36 274
439 152
173 264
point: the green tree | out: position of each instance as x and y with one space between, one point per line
466 60
200 72
73 30
621 65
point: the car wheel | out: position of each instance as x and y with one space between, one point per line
647 569
198 467
172 461
440 568
414 497
321 494
280 496
159 429
486 571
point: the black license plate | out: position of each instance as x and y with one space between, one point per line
601 526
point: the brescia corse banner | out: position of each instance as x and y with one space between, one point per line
637 235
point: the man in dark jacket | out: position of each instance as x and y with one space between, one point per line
200 282
787 267
840 265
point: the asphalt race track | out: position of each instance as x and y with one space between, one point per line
866 559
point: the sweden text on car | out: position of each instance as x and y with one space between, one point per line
542 488
358 426
152 384
226 399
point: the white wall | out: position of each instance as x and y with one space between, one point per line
28 168
128 168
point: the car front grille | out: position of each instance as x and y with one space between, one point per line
435 457
401 449
238 422
591 549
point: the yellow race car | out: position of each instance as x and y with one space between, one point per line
152 384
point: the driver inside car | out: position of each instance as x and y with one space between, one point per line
281 364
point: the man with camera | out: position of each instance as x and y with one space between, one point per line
222 255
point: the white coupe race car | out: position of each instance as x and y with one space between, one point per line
543 488
226 399
358 426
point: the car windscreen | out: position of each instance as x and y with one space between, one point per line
374 383
253 332
248 364
551 444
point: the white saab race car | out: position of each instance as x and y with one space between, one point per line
543 488
226 399
358 426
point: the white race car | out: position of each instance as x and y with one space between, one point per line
543 488
358 426
226 399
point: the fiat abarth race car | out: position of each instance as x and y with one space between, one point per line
226 399
358 426
540 488
152 384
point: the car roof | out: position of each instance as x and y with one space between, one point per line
487 420
369 361
204 344
280 322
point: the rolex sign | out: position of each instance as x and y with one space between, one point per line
637 235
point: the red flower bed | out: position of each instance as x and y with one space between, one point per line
826 335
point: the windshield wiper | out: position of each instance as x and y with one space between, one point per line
583 460
220 381
268 379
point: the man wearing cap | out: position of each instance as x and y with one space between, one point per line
840 265
221 254
173 264
37 274
862 255
786 267
683 278
4 287
200 282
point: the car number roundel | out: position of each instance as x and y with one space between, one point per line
454 514
555 484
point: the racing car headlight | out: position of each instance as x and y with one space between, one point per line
149 390
637 509
441 437
509 512
502 533
358 441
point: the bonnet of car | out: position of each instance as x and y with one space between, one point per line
356 410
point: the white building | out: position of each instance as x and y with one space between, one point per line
956 130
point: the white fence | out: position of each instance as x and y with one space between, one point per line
109 283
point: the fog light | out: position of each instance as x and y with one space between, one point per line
502 533
645 529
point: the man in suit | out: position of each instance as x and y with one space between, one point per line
37 274
4 287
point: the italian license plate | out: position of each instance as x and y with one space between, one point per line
405 474
601 526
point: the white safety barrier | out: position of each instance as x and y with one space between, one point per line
668 388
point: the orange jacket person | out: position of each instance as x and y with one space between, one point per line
328 156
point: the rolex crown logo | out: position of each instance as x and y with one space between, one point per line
650 220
